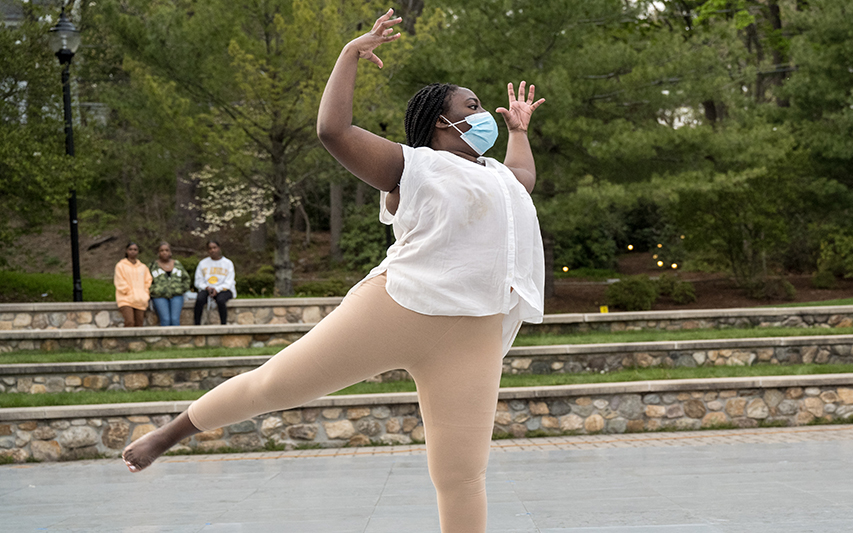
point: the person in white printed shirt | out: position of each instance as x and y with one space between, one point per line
446 303
214 278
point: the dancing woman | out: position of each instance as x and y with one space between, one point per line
447 301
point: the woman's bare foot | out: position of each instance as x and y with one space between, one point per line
145 450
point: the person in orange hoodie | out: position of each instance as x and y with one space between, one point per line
132 280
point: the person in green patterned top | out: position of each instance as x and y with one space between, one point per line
171 281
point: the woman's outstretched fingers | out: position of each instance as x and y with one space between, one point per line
382 32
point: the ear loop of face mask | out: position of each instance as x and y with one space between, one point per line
481 135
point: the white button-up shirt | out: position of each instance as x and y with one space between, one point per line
468 241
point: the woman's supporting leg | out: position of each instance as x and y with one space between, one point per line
176 304
458 391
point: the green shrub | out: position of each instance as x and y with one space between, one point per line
363 239
260 284
824 279
190 264
634 293
771 289
666 284
683 293
322 289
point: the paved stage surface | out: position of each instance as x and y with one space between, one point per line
754 480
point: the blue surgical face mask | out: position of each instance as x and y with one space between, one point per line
483 132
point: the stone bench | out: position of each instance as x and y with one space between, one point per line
102 315
206 373
152 337
246 311
284 325
72 432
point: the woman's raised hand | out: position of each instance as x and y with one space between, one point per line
517 117
382 32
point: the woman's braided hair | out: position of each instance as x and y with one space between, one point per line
423 110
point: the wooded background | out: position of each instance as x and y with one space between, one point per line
721 130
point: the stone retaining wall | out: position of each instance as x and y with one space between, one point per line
59 433
794 317
206 373
103 315
146 338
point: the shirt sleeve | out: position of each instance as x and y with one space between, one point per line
199 277
229 283
415 164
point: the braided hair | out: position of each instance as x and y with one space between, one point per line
423 110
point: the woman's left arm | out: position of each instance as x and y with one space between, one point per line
519 157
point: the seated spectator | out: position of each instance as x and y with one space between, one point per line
214 278
171 281
132 280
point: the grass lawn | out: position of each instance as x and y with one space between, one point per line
34 357
22 287
641 374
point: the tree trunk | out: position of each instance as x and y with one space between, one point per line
361 190
186 219
548 245
281 219
336 219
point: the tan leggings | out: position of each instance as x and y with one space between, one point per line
456 365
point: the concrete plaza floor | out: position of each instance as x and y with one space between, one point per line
754 480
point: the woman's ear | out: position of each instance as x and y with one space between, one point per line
442 122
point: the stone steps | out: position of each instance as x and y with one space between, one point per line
71 432
105 315
291 323
206 373
246 311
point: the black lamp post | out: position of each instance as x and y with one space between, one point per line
64 40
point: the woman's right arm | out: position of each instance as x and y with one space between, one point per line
371 158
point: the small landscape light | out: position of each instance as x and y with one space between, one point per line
565 269
660 263
674 265
655 256
682 236
660 245
630 246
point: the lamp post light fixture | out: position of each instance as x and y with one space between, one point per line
64 41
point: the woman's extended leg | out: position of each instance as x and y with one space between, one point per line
368 334
458 390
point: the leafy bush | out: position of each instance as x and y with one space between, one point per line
321 289
635 293
824 279
363 239
681 292
261 283
770 289
190 263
